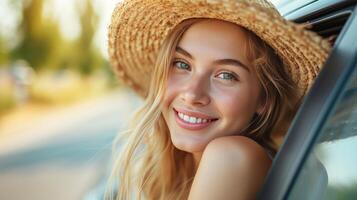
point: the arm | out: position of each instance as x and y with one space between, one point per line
232 167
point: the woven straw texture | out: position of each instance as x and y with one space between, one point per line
139 27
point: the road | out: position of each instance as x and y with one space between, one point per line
65 154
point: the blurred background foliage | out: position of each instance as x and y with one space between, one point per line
47 59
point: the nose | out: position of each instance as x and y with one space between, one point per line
195 91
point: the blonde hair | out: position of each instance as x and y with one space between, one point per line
280 95
149 166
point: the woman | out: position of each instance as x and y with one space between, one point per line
221 81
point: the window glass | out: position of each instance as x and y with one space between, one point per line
330 171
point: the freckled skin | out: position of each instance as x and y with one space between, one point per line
228 166
203 88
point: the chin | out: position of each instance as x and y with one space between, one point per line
189 146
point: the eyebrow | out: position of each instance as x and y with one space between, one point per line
226 61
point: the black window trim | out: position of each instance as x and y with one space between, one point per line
313 113
313 8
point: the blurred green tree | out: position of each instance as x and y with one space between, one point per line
3 52
43 46
39 36
88 57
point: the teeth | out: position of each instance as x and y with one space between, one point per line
192 120
180 115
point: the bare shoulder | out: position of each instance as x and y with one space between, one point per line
238 145
232 167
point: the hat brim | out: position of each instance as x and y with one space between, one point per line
139 27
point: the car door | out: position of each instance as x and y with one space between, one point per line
318 158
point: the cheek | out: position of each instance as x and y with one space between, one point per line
232 105
239 103
172 89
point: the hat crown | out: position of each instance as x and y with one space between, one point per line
263 3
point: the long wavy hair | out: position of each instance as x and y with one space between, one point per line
150 167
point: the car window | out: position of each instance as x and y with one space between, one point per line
330 172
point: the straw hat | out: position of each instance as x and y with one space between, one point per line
139 27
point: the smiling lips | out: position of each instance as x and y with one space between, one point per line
192 121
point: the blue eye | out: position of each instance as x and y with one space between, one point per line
227 76
181 65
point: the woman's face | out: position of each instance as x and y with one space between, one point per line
212 90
